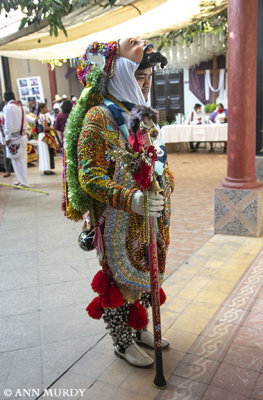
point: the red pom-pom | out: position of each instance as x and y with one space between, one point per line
137 318
94 308
100 282
162 296
112 298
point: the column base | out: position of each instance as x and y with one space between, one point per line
238 212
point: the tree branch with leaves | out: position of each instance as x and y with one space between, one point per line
51 11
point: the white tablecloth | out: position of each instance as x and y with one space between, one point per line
194 133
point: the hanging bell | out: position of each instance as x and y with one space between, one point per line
86 239
155 186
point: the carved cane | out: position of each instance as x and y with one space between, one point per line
159 380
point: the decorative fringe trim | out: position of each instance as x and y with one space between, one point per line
98 239
80 201
98 242
137 318
72 213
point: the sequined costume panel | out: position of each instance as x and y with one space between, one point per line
108 184
134 241
95 168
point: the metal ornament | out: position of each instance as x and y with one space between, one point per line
86 240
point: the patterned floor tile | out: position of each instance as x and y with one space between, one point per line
235 379
210 348
196 368
217 329
230 315
182 389
214 393
249 337
258 389
244 357
258 306
255 321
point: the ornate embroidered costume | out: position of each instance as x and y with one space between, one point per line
99 181
112 190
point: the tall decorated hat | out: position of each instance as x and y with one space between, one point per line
101 55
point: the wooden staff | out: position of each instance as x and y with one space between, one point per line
24 188
159 380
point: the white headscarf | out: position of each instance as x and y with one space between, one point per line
123 85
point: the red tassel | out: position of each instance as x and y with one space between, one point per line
100 282
112 298
94 308
137 318
162 296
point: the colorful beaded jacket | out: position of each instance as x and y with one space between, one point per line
111 189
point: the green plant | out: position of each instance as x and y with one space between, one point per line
209 108
51 11
164 123
212 25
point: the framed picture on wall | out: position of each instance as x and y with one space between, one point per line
29 87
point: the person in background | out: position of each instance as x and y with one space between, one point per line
57 101
7 161
15 137
62 117
219 116
46 141
73 100
195 117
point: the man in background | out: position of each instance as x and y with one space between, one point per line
15 123
7 161
195 117
219 116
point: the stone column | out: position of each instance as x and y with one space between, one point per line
238 202
52 82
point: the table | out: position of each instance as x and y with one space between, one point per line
194 133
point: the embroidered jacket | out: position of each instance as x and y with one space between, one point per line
111 189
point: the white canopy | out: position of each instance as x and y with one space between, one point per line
88 25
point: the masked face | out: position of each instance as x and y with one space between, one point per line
132 49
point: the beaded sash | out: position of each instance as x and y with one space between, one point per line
115 239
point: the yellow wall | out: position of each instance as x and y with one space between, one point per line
62 82
20 68
67 82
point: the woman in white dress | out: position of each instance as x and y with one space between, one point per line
46 141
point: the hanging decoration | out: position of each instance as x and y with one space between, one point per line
203 47
208 84
188 47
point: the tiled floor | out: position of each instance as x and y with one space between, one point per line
226 359
196 175
213 315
